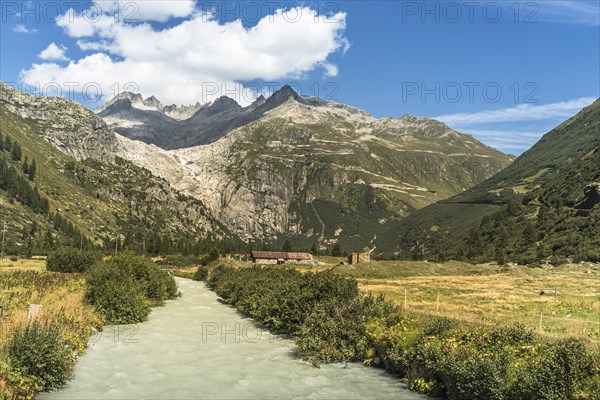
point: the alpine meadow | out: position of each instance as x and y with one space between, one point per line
292 200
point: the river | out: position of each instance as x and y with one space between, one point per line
198 348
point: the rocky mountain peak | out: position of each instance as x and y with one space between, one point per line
225 102
132 98
153 102
283 95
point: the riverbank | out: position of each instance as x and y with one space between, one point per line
330 321
196 347
63 312
483 293
48 317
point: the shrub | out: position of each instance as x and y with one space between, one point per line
40 351
477 376
201 273
279 298
337 332
213 254
70 260
556 373
124 287
14 384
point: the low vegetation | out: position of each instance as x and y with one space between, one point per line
67 259
39 355
37 352
124 287
331 321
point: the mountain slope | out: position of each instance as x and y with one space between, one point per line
321 171
552 174
86 183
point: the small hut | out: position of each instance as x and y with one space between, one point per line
357 258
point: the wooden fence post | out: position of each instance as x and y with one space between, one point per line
34 311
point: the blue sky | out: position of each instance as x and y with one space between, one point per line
506 72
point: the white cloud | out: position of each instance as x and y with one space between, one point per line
522 112
570 12
508 140
54 52
151 10
177 63
21 28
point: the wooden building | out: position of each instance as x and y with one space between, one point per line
357 258
280 257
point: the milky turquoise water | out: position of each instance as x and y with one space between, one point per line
198 348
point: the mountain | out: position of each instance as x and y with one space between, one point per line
171 128
308 169
80 188
521 211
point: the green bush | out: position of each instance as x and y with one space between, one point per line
14 384
40 351
201 273
280 298
124 288
67 259
476 375
556 373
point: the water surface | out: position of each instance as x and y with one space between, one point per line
198 348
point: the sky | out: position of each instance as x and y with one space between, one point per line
506 72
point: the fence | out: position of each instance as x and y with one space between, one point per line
545 322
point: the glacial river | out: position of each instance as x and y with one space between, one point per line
198 348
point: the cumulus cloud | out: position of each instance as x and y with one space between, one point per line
53 52
178 62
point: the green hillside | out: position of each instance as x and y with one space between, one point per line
522 214
91 202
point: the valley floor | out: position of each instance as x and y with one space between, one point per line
486 293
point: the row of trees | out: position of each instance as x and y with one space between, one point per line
518 234
6 144
18 188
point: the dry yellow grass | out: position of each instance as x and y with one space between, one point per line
22 264
488 293
61 297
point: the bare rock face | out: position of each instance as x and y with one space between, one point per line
69 126
591 197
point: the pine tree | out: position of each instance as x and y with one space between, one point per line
16 152
7 144
32 170
25 166
336 251
287 246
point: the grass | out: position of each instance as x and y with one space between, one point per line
22 264
492 294
486 293
26 282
